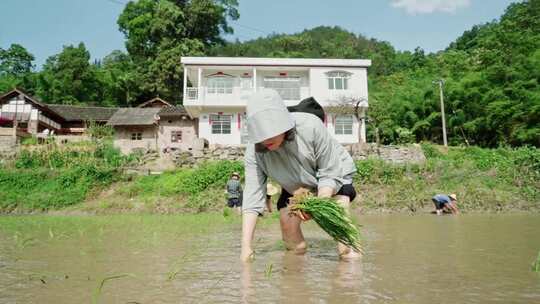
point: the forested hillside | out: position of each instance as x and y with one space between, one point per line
491 79
491 73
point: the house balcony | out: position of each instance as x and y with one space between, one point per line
235 97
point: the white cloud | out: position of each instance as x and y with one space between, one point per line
430 6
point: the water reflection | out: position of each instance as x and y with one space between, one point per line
247 291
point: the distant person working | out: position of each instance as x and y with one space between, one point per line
234 192
445 204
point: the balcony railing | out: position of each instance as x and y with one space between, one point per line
236 94
192 93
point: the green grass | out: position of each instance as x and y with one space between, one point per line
57 177
39 226
483 179
49 176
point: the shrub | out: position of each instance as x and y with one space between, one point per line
57 176
28 141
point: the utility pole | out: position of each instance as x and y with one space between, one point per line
440 82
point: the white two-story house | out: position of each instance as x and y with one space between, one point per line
216 90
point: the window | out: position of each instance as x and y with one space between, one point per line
343 125
221 124
246 83
220 85
136 136
287 87
338 80
176 136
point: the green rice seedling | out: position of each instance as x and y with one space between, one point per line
330 216
177 267
536 264
97 291
268 270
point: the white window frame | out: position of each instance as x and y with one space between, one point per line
221 123
338 80
343 125
246 83
220 84
290 92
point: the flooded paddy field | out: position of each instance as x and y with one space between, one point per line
195 259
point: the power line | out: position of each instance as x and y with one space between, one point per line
117 2
252 28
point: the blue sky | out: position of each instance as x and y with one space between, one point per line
43 27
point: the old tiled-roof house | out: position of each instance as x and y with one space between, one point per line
154 125
76 118
33 116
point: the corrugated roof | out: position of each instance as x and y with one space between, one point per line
81 113
134 116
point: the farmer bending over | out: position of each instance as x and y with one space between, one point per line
445 203
234 191
295 150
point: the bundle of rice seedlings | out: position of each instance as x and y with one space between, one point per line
330 216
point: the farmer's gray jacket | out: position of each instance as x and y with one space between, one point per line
313 159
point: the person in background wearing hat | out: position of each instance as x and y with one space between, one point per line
270 191
234 191
297 151
445 203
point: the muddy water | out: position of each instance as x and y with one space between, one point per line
189 259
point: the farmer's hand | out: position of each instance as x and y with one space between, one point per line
303 215
297 194
323 192
247 255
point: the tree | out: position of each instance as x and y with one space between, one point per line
69 78
15 61
119 78
159 32
16 68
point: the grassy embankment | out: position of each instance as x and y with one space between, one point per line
88 177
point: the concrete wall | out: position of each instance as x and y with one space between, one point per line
319 85
205 129
238 123
123 141
7 144
411 154
342 138
167 125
